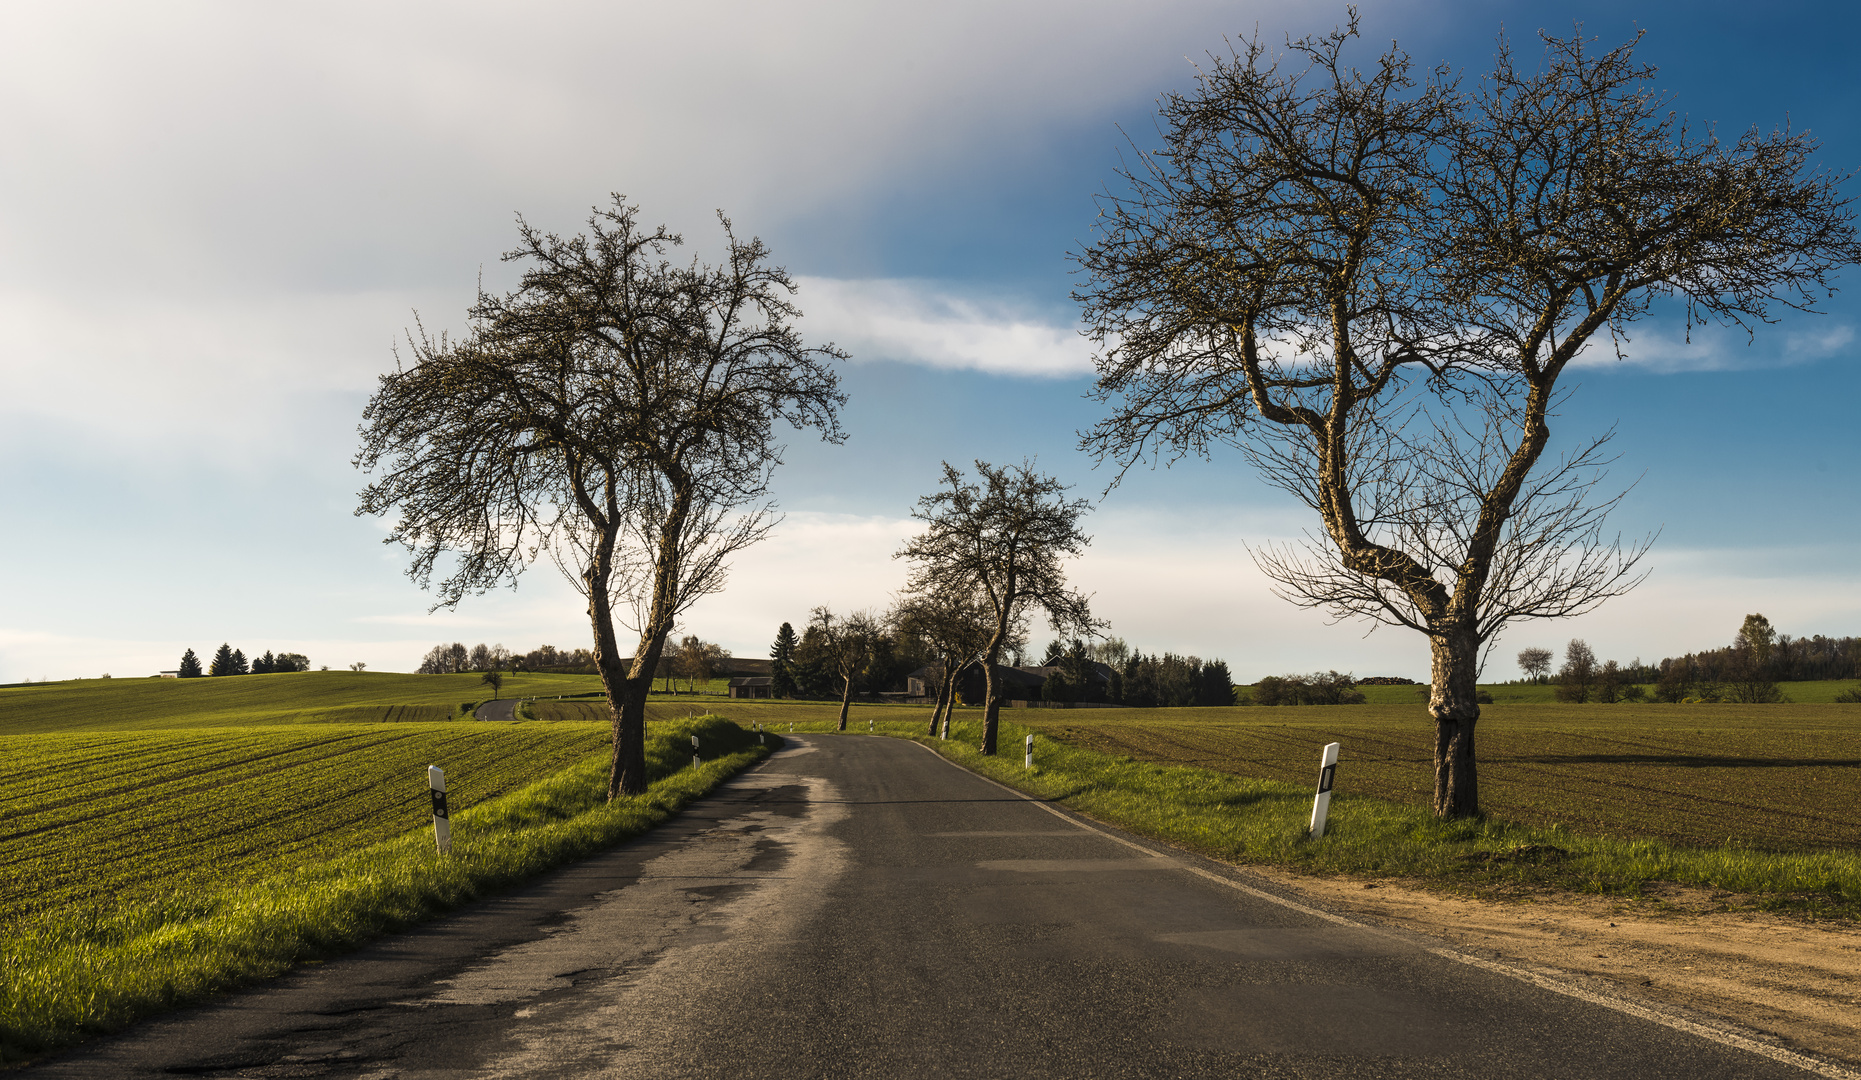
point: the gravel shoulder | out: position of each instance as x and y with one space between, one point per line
1795 978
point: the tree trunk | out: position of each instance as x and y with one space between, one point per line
627 773
991 708
846 699
943 697
1453 702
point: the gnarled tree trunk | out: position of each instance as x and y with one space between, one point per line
1453 702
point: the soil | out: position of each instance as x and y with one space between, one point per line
1793 978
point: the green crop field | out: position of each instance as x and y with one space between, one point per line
97 820
144 870
247 700
1773 777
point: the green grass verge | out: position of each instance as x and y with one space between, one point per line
63 979
1245 820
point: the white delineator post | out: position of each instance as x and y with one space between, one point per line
1030 753
442 824
1327 772
694 751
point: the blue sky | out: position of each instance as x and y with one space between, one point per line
216 218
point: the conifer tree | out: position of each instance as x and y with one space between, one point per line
781 656
264 665
239 663
190 665
223 661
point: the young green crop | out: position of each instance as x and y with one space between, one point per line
96 821
247 700
74 972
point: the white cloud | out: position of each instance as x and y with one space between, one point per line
228 376
1662 349
933 323
363 142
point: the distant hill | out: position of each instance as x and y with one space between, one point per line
239 700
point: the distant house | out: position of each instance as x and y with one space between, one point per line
171 674
752 686
1013 683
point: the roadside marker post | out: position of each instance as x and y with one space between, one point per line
869 725
1327 772
442 824
1030 753
694 751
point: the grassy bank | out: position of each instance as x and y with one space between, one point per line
65 977
1249 820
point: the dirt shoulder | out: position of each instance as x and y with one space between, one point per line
1796 979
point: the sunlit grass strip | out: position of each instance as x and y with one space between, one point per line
1242 820
61 981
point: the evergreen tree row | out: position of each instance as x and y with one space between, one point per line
231 661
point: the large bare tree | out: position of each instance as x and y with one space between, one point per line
1372 285
1004 541
617 411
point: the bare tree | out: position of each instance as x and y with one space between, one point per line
1001 541
1535 663
955 627
698 660
1576 680
849 644
1372 286
617 412
1753 680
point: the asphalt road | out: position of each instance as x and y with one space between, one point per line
504 709
857 907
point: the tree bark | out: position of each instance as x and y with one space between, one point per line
1455 706
846 700
992 706
943 697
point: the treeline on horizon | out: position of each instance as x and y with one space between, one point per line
1747 671
231 661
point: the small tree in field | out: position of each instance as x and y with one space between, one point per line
190 666
1372 287
494 679
1535 663
1001 540
1753 681
1576 680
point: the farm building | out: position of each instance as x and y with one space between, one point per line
752 686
